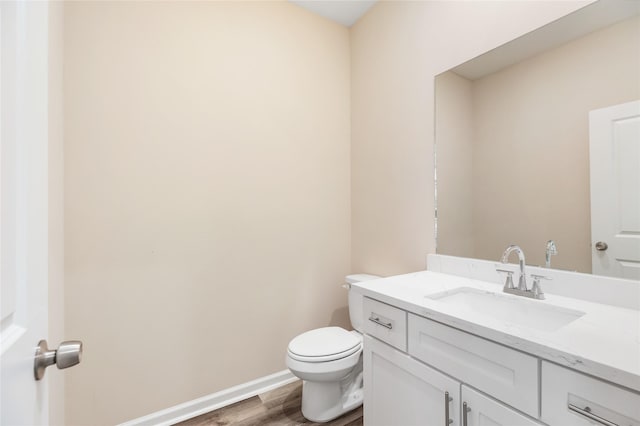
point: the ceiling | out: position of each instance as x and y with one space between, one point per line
345 12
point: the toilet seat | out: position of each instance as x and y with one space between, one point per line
324 345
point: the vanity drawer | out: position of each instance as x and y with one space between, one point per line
566 395
504 373
386 323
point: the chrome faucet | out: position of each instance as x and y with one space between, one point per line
551 250
522 282
535 292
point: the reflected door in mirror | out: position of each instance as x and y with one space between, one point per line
614 144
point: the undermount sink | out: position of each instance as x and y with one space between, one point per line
523 312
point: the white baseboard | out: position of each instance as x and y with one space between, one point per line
199 406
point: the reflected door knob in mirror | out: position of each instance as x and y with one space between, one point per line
67 355
601 246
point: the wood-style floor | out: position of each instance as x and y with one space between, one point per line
278 407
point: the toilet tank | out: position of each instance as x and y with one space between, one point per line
356 299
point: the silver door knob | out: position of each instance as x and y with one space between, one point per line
67 355
601 246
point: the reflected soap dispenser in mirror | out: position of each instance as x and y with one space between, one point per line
551 250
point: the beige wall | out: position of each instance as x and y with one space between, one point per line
531 147
397 48
207 195
454 164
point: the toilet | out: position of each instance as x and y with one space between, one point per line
329 362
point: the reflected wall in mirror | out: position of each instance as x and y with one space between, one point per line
512 142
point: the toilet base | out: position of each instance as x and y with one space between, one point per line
325 401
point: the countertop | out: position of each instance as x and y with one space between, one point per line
604 342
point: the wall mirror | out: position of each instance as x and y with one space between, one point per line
513 163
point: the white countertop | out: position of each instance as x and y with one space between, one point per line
605 342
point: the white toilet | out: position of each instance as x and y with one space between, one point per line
329 361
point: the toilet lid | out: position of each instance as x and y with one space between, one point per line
324 344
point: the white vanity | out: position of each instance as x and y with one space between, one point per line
446 349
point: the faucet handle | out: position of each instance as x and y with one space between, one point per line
509 281
535 287
537 278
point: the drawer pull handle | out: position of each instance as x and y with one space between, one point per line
465 411
380 322
586 411
447 400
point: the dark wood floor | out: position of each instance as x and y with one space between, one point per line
278 407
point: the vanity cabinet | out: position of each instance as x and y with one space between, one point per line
421 372
402 391
562 361
410 370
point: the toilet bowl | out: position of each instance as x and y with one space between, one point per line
329 362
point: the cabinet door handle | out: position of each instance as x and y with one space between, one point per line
465 410
378 321
586 411
447 400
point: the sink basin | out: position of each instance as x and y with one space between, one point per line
532 314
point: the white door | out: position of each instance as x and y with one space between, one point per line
23 207
614 149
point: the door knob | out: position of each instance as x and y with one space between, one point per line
601 246
67 355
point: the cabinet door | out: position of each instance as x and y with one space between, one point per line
399 390
484 411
